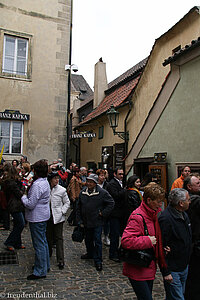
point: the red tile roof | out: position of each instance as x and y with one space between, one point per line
117 97
137 68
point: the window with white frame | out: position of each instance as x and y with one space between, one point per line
11 133
15 55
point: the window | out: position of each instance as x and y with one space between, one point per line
176 49
194 167
101 130
15 55
90 137
11 133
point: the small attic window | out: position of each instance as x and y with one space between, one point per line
83 89
81 97
176 49
82 118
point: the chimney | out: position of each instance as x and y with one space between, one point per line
100 82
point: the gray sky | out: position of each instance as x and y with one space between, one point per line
121 32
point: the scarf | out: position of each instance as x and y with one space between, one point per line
159 251
135 189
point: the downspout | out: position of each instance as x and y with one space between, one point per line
125 130
77 152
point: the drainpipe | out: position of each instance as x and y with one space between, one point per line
126 133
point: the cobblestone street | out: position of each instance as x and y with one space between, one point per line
78 280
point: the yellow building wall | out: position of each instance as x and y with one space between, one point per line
154 74
91 151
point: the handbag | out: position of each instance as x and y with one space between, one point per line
141 258
78 234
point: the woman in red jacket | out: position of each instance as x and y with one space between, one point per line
133 237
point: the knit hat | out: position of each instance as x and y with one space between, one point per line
93 177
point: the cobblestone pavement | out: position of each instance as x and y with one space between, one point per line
78 280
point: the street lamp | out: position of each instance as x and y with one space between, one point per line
113 118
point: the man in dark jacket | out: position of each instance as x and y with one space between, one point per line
94 205
116 190
192 185
177 239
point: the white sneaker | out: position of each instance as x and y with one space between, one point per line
106 241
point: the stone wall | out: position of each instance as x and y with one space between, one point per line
44 94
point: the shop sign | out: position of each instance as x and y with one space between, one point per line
119 155
81 135
14 115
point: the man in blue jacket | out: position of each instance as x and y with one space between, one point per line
177 238
94 205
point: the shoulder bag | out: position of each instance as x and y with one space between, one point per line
141 258
78 234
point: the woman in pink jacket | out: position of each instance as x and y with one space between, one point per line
133 237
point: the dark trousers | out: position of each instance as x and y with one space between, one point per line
106 227
72 217
192 290
114 237
14 238
93 243
5 216
55 233
142 289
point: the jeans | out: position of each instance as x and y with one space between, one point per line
142 289
38 234
114 237
93 243
175 290
55 233
14 239
106 227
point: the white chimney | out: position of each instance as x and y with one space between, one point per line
100 82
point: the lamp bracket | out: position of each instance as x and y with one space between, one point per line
123 135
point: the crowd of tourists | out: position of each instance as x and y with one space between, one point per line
138 215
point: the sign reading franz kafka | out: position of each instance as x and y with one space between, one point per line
14 115
81 135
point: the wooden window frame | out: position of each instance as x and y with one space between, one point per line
101 132
11 137
17 35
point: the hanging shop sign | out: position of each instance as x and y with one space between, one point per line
119 155
81 135
14 115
